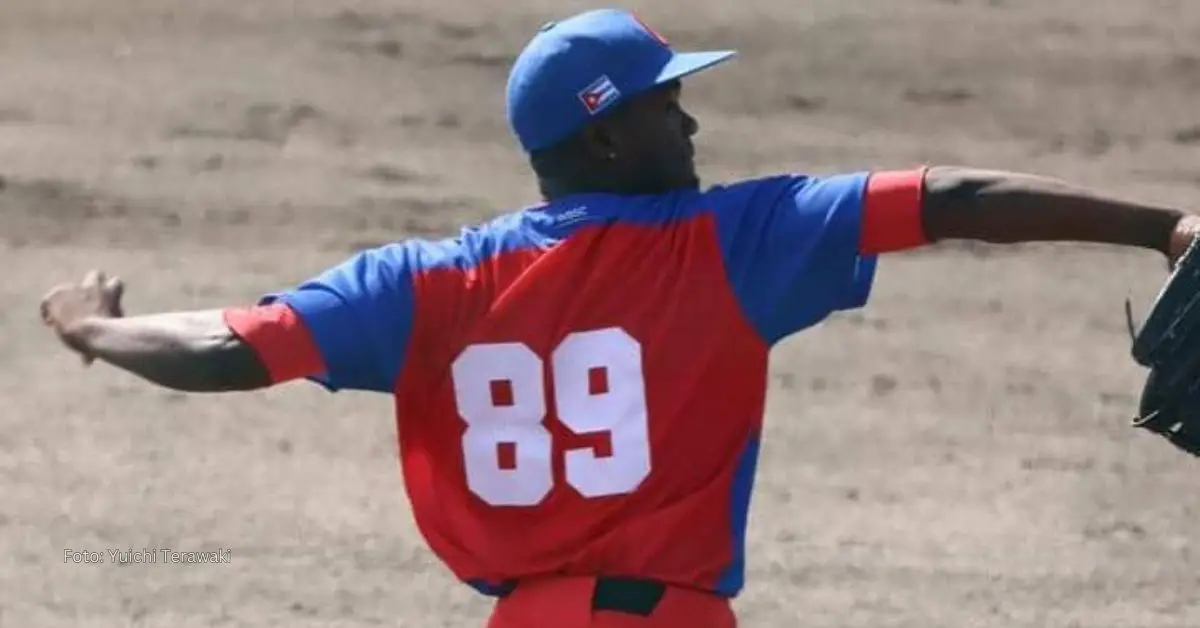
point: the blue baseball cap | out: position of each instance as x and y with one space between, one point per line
578 68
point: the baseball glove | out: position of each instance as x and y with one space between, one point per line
1168 344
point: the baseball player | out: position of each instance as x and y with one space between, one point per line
579 385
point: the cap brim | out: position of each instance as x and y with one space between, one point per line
687 63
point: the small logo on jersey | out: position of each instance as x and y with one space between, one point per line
600 94
571 216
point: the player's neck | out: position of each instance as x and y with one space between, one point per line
553 190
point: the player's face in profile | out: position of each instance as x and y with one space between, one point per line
655 142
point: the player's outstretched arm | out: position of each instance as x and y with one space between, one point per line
1006 207
187 351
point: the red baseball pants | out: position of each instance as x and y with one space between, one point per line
567 603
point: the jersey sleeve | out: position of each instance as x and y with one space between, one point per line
347 328
279 338
798 248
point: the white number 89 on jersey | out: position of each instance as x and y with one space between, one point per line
596 386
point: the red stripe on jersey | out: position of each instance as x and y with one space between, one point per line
892 211
279 337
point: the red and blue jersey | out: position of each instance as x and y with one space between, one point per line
580 386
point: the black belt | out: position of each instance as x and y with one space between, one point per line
627 595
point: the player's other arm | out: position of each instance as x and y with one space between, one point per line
348 328
1005 207
186 351
193 351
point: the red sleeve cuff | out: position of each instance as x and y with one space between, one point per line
279 337
892 211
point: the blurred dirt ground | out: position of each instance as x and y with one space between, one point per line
954 455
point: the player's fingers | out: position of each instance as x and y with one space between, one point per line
115 287
94 279
45 307
53 292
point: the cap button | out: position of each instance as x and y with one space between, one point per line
547 26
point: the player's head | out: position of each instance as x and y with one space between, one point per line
594 102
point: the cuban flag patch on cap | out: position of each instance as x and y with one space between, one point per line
600 94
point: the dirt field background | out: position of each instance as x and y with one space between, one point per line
955 455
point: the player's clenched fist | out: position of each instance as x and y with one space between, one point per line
68 305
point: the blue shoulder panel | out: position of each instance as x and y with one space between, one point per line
791 248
